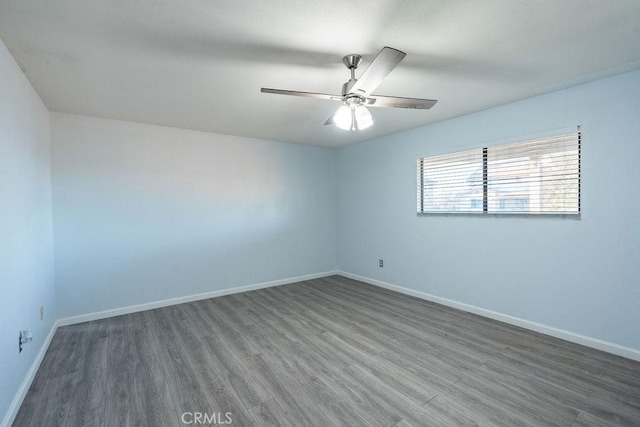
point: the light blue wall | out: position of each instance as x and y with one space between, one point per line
145 213
582 276
26 237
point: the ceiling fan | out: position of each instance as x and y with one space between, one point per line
356 93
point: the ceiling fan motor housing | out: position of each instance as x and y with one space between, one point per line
353 100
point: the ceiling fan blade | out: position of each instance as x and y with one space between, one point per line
381 66
330 119
303 94
400 102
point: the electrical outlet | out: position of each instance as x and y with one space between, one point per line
381 263
41 312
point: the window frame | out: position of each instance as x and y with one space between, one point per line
573 165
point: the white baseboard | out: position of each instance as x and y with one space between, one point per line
609 347
14 407
189 298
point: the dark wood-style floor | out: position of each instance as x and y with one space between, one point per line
325 352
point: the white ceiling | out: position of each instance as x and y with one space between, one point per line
199 64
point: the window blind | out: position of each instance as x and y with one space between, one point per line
451 183
540 176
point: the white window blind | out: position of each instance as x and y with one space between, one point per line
533 177
451 183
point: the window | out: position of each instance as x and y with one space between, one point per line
532 177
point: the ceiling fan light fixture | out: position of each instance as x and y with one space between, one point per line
352 117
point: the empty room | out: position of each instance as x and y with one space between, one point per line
318 213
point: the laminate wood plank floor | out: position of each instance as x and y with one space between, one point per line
331 351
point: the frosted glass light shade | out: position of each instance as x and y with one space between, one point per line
343 118
351 117
363 118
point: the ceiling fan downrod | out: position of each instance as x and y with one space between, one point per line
351 62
